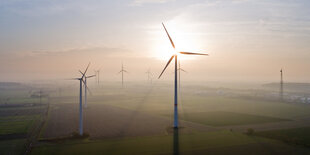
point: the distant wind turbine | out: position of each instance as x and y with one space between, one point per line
81 108
149 75
175 75
281 84
97 72
179 70
96 80
122 71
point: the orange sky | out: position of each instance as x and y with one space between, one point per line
248 40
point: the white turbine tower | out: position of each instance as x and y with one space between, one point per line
149 76
180 69
281 85
81 107
175 75
122 71
97 72
86 87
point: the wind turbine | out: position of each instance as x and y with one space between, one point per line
97 72
122 71
281 84
175 56
81 108
149 75
180 69
85 85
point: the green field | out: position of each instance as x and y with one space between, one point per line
16 124
196 143
11 147
159 101
18 117
15 127
206 119
194 103
211 110
222 118
297 136
14 118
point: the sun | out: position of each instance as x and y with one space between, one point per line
162 48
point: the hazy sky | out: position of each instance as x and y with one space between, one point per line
248 40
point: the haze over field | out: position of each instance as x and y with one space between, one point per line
248 40
154 77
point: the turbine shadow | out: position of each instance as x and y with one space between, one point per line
132 117
176 141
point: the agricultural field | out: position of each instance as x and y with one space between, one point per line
142 115
20 116
16 124
219 142
222 118
154 77
295 136
158 100
16 131
136 118
15 146
106 121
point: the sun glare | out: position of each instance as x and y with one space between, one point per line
162 48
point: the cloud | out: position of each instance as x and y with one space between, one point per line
82 51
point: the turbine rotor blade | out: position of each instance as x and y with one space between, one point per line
90 76
166 66
183 70
86 70
81 72
73 79
190 53
169 36
87 87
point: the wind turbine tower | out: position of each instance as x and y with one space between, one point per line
149 76
122 71
81 109
86 87
80 101
97 72
179 70
175 56
281 85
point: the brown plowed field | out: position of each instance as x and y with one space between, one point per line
104 121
